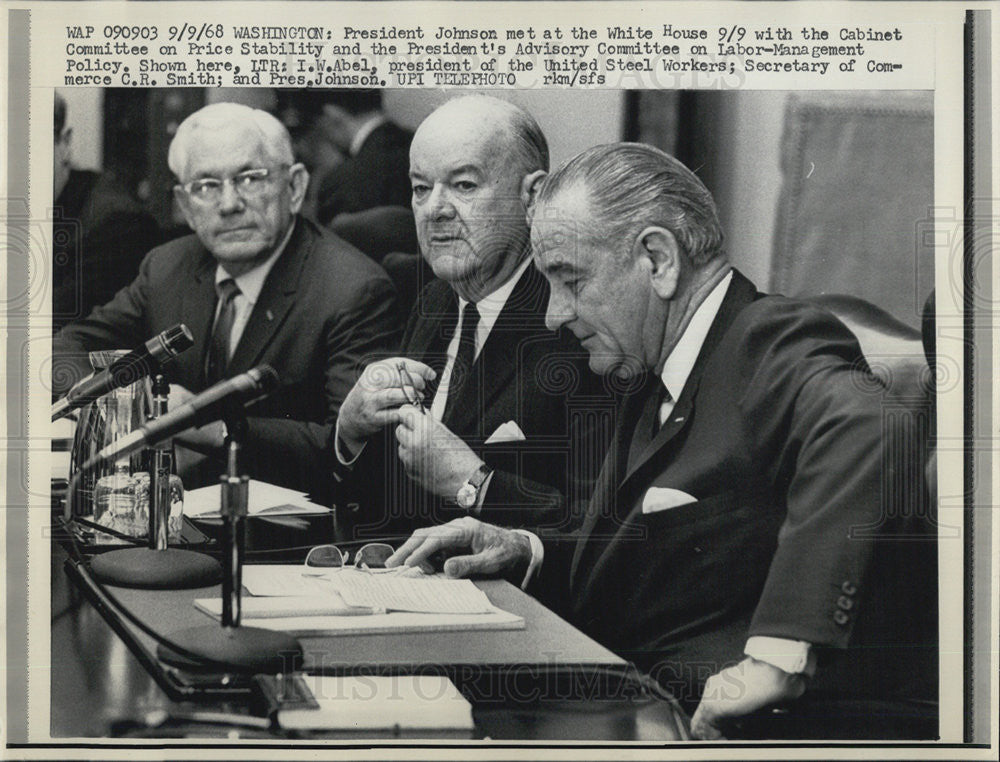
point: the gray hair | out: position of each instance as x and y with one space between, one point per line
221 116
632 185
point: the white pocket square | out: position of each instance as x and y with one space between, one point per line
659 499
506 432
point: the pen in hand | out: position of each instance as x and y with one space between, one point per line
405 379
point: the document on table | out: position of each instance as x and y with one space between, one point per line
292 599
385 592
429 595
263 499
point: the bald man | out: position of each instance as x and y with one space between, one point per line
504 407
256 284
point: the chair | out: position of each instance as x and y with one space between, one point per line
894 350
379 230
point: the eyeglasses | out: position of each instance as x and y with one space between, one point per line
248 184
370 558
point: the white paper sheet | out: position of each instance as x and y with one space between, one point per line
263 499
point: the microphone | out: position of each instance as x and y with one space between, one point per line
208 406
126 370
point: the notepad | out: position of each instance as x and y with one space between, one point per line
395 703
293 606
263 499
428 595
350 602
275 614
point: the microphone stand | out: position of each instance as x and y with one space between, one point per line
157 567
252 650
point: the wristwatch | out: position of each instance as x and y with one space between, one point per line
468 493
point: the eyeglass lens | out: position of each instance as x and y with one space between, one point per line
326 556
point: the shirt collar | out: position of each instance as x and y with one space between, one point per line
251 282
681 360
491 305
363 132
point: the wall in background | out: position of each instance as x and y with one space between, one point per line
738 157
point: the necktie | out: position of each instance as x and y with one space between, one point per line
466 355
218 350
666 407
648 424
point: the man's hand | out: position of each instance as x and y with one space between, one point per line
434 457
494 549
204 439
374 401
740 690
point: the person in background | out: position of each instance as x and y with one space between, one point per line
256 283
99 231
747 541
357 156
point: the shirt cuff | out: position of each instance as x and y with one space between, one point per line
795 657
481 498
343 459
537 556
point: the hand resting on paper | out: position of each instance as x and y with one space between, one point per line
491 549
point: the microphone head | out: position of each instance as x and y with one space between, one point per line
177 339
265 377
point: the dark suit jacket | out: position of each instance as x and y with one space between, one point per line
524 373
378 175
324 310
784 440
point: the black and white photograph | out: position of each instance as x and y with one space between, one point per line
609 399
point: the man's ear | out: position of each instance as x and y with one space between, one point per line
530 184
657 248
184 203
298 179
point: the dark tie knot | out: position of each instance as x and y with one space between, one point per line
227 290
470 321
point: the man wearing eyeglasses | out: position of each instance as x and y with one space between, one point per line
256 284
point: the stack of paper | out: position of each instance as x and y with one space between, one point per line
263 500
348 601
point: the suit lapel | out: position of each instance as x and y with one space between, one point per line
198 313
433 329
275 300
740 293
600 513
594 538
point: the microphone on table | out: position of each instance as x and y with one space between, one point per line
163 567
203 408
126 370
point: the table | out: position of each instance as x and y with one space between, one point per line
97 681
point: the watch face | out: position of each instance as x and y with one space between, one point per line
466 496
